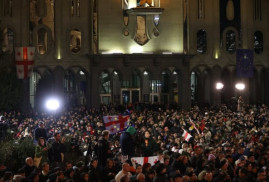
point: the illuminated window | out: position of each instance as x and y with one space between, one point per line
258 42
105 83
201 9
75 7
230 41
75 41
201 41
42 41
7 40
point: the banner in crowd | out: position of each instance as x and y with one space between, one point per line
24 57
186 135
244 63
116 123
142 160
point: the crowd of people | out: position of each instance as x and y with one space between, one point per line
200 144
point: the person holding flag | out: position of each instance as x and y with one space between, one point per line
127 143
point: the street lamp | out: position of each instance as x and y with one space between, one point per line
219 86
240 86
53 104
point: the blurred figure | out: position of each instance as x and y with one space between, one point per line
125 171
41 150
103 150
29 166
40 131
127 142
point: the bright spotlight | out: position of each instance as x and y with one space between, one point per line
52 104
240 86
219 86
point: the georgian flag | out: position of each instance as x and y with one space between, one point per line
24 57
116 123
142 160
186 135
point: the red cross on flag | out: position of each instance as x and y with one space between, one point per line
24 57
116 123
142 160
186 135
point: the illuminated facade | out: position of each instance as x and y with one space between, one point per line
99 51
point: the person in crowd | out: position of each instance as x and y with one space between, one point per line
29 166
40 131
103 149
110 170
127 143
3 128
41 150
57 149
149 145
8 177
44 175
95 174
124 172
161 175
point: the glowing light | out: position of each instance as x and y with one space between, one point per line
240 86
146 73
136 49
53 104
219 86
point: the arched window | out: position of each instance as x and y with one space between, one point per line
165 82
34 79
7 40
193 86
75 7
42 41
75 41
105 83
135 79
230 41
201 41
258 42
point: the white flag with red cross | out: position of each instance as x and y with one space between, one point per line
186 135
116 123
24 57
143 160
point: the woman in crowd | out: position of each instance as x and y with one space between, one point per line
41 151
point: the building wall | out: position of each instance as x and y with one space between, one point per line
177 35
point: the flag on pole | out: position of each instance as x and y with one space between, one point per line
194 126
116 123
186 135
142 160
244 63
24 57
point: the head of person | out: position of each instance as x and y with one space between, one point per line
140 177
57 137
178 178
29 161
124 178
41 141
105 134
94 162
147 134
126 167
45 167
131 130
41 124
84 176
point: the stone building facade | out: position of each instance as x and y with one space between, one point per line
90 52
